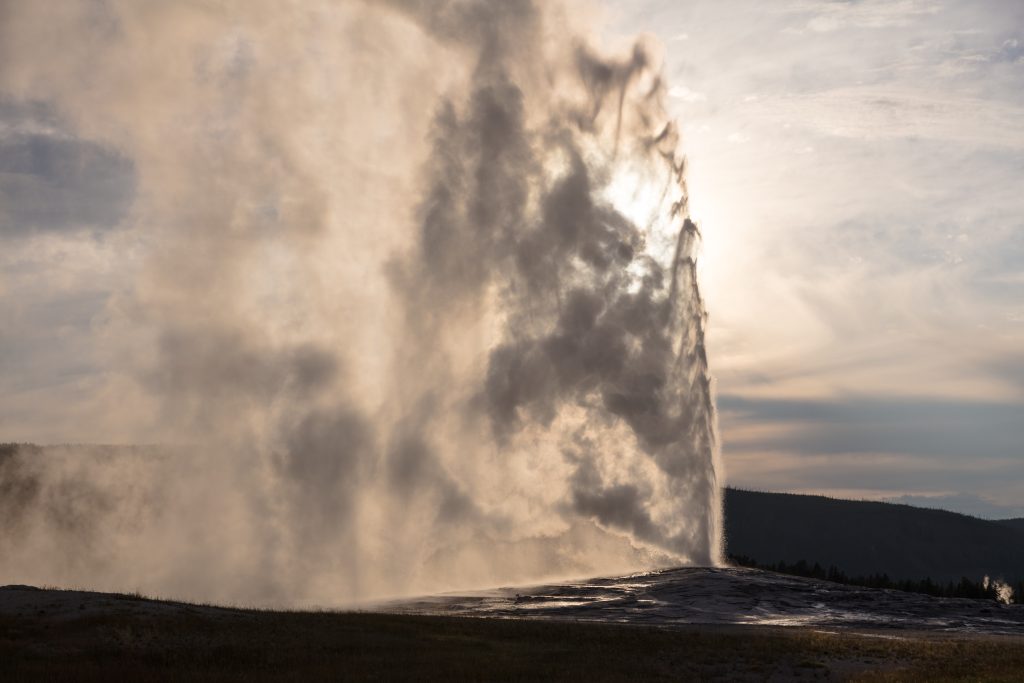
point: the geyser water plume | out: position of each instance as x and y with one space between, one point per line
390 351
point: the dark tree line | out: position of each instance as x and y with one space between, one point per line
965 588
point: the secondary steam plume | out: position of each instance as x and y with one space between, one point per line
395 351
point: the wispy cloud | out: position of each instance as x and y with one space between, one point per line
945 429
827 16
681 92
886 263
872 112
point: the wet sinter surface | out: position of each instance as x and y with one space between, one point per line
696 595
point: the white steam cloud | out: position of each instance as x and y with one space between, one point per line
417 308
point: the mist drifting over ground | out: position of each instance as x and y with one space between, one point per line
415 305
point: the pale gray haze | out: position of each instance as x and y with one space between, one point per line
366 285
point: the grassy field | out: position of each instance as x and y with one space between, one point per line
219 645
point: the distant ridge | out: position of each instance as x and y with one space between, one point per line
1017 523
866 537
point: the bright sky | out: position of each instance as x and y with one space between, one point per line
858 171
856 167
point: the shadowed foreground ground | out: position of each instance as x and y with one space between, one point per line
66 635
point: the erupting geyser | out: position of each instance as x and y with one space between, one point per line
388 365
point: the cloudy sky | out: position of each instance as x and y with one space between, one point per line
857 170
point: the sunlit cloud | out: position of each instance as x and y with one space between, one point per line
865 239
681 92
